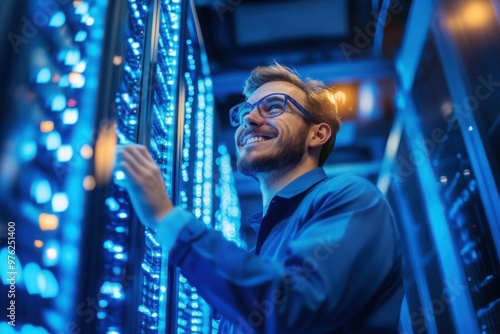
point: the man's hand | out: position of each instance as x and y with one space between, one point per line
143 182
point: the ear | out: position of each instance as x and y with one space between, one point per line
320 133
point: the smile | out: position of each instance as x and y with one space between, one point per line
254 139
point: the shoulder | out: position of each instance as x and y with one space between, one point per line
348 184
348 189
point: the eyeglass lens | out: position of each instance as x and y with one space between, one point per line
270 106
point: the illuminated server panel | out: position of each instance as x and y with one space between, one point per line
165 102
162 103
121 240
49 90
84 262
443 183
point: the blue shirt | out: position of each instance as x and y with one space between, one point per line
327 260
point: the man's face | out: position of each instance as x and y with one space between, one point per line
272 144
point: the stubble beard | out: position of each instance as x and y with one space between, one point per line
288 156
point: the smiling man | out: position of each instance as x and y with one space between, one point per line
327 257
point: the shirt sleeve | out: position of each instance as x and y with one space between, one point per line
344 255
170 226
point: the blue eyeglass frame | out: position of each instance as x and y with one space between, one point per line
235 120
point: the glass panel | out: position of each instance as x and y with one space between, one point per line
424 282
475 30
458 190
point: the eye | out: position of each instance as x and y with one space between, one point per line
275 108
272 107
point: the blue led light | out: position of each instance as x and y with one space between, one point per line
47 283
28 150
5 328
112 203
64 82
117 248
51 252
60 202
119 175
82 8
64 153
89 21
41 191
72 57
70 116
30 329
113 289
108 244
80 36
120 229
58 102
53 141
57 20
80 67
122 215
31 272
44 75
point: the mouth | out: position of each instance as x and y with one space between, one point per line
254 138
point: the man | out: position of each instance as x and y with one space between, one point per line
327 258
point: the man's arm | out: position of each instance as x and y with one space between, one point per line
343 259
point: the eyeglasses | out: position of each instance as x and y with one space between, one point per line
269 106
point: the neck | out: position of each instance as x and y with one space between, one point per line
274 181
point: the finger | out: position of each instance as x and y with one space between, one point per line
141 157
134 161
126 177
142 154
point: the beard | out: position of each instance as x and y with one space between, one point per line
288 156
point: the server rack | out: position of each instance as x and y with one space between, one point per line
441 170
126 71
50 65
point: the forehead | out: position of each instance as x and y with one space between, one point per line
278 87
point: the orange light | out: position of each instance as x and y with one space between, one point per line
105 153
89 183
476 15
38 243
46 126
340 98
76 79
86 151
117 60
48 222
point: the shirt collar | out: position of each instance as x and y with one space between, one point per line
297 186
302 183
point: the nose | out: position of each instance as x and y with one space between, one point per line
253 118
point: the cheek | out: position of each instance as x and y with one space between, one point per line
237 135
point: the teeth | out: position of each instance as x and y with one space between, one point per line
255 139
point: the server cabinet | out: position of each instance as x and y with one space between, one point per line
444 168
50 66
97 74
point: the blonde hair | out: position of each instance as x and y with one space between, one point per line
320 100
